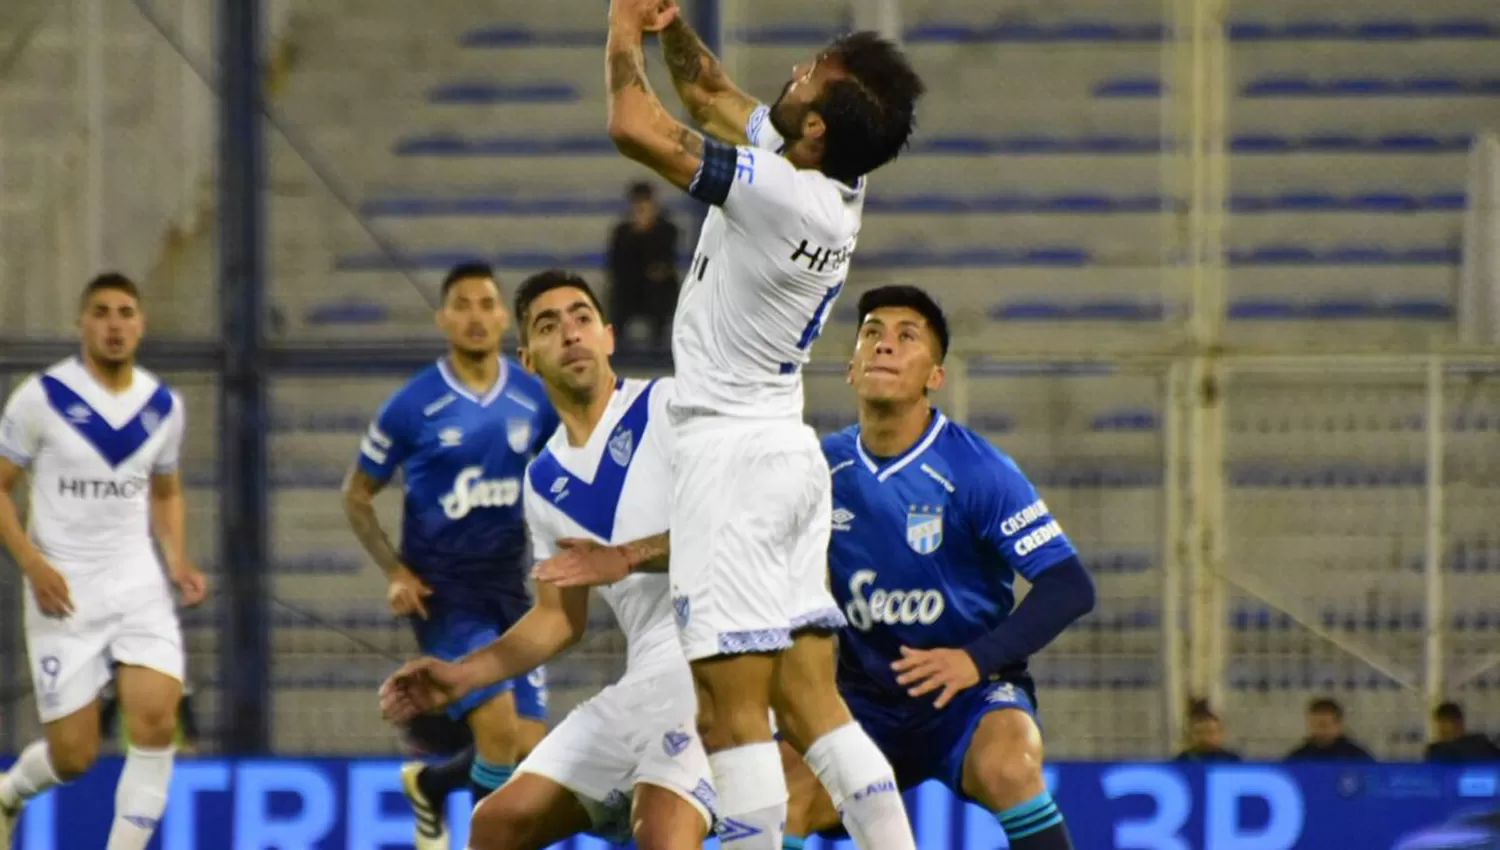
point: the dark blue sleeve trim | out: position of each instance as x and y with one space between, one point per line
1059 595
715 173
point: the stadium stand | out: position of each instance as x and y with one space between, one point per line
1033 202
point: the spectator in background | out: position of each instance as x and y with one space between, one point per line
642 265
1326 740
1205 735
1454 742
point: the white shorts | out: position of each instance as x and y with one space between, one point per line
71 658
752 509
630 733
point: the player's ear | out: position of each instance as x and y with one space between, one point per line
609 340
523 354
813 126
936 378
849 372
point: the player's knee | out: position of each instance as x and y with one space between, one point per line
498 824
73 755
1007 778
727 725
153 726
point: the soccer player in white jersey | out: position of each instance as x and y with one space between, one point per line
750 520
628 763
99 439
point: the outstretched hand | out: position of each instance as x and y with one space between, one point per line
420 687
582 563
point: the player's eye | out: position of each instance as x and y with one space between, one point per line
908 336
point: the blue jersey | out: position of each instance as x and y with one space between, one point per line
463 460
925 549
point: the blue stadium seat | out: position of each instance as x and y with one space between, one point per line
1279 86
1358 255
1023 311
1382 30
1418 308
1273 255
1386 202
1119 311
1303 201
1435 256
484 93
1126 419
1128 87
1342 308
1463 28
1446 201
509 36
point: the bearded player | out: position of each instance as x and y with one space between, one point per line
786 186
626 764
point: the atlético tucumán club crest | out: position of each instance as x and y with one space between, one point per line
518 434
924 528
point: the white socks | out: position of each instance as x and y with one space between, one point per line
140 798
752 796
862 786
29 776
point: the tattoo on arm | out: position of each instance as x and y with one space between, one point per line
649 554
359 507
687 56
627 68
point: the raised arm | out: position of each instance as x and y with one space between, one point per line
714 101
639 125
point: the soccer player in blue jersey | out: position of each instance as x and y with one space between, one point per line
931 525
461 432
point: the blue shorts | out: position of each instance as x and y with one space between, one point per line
922 743
451 633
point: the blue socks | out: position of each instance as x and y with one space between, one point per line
485 777
792 842
1035 825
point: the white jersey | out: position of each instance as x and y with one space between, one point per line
771 260
91 453
614 489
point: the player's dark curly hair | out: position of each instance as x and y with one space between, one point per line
871 114
914 298
541 283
